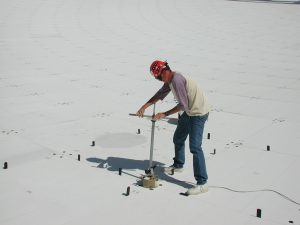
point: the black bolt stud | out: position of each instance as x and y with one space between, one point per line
5 166
172 171
93 144
120 171
139 131
291 221
78 157
208 136
128 191
258 213
268 148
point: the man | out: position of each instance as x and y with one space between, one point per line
194 110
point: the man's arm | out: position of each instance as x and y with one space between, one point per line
160 95
160 116
151 101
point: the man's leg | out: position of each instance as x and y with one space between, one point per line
179 138
196 135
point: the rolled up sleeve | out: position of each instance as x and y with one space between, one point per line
179 85
163 92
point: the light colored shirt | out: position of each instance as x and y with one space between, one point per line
188 94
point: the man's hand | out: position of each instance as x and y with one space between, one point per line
141 111
159 116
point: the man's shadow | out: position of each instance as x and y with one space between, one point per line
115 163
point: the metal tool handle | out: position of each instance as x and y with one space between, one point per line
152 140
151 117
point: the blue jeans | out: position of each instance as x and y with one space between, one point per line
192 126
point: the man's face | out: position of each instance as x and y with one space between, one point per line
161 77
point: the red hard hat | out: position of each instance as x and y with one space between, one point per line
156 67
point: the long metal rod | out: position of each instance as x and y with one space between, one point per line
152 140
151 117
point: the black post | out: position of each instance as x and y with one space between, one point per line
128 191
258 213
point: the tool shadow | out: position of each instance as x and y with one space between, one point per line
113 164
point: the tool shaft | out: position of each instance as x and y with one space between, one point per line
152 140
150 117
